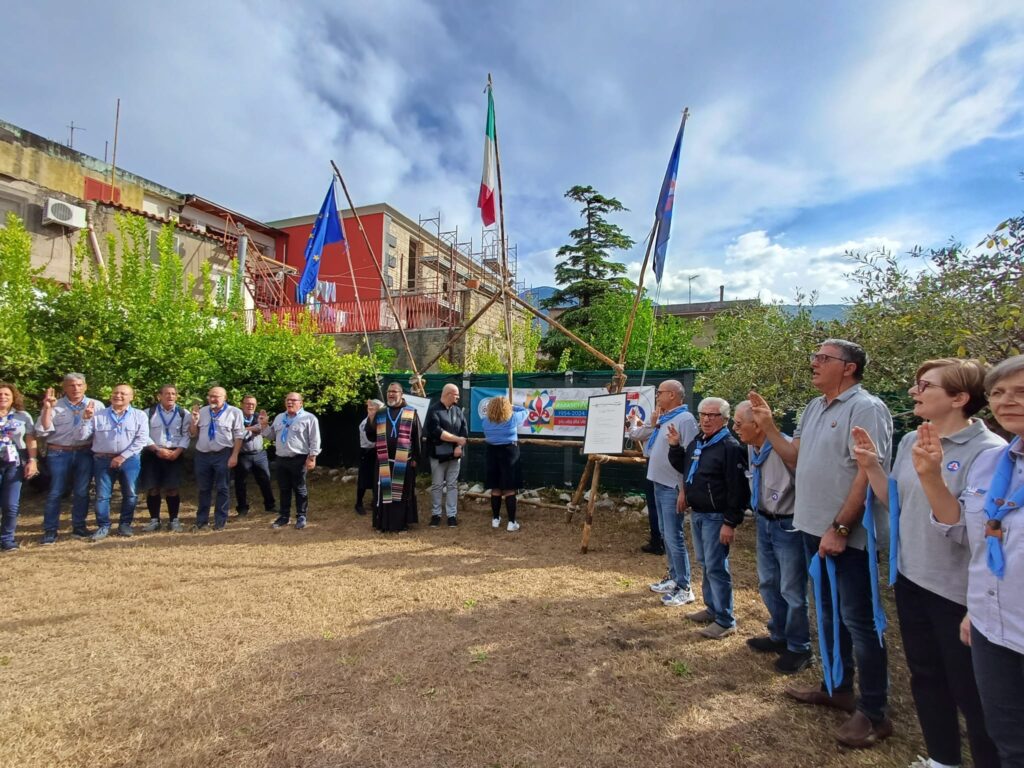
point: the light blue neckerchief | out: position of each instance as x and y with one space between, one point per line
831 664
876 599
287 423
718 437
759 458
894 529
997 506
665 419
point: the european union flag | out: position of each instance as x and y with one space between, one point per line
663 215
326 229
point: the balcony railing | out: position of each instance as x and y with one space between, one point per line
414 312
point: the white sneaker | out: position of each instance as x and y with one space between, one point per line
152 525
513 526
679 597
495 522
664 587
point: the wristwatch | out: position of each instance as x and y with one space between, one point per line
841 529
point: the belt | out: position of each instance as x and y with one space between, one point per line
219 450
106 455
774 518
251 453
58 448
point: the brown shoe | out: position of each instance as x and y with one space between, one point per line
703 616
843 700
859 732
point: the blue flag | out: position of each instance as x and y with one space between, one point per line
326 229
663 215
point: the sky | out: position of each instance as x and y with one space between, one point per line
815 128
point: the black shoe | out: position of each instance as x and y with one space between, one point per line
791 662
359 509
219 526
435 520
197 528
82 533
10 547
653 549
281 522
50 537
765 644
452 522
243 512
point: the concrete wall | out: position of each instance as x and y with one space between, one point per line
425 344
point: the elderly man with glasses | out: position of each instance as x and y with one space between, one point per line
674 588
830 512
716 491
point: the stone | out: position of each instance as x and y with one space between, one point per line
478 488
635 501
565 497
348 479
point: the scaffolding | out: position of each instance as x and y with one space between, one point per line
455 264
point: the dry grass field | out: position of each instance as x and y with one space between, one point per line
338 646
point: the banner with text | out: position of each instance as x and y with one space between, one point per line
556 411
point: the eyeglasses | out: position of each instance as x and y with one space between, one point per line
821 358
1006 395
923 384
705 415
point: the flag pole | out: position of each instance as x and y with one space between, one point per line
504 247
417 380
643 270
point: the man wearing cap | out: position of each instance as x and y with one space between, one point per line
252 460
67 456
118 433
219 429
296 436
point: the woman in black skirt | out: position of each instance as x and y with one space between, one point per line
504 476
367 462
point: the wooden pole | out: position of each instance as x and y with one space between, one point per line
562 329
636 299
461 332
417 380
113 160
577 495
588 522
502 245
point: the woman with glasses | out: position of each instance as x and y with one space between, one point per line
987 519
929 568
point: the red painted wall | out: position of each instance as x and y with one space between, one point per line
333 264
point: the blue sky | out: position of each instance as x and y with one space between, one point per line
815 127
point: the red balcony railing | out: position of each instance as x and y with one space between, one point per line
414 312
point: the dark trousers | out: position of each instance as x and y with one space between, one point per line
1000 675
941 676
652 515
212 476
257 465
291 478
367 479
857 638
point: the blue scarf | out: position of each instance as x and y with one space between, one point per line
118 422
287 422
997 506
831 664
211 429
77 409
665 419
759 458
894 529
719 436
165 422
876 599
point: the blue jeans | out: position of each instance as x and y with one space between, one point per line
1000 674
212 473
782 580
444 475
713 556
857 638
126 475
74 467
11 475
672 532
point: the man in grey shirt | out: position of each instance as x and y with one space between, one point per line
830 498
218 429
296 435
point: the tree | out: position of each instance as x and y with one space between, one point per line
586 272
487 354
20 348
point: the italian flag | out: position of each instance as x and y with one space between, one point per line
488 183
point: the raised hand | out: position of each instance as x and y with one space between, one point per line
927 452
672 434
761 412
264 419
195 414
864 450
50 398
89 410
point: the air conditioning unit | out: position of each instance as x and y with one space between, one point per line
59 212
